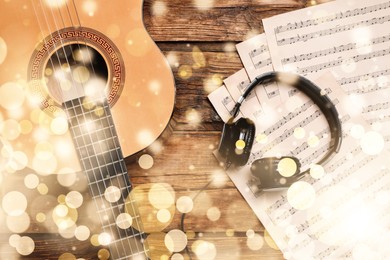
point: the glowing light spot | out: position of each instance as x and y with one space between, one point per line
313 141
213 213
299 133
82 233
240 144
270 242
103 254
3 50
155 87
175 240
44 163
185 72
198 57
357 131
124 221
74 199
67 256
145 137
12 96
42 188
230 232
204 250
317 171
112 194
250 233
40 217
59 125
14 240
61 210
14 203
104 239
18 224
255 243
25 126
99 111
10 129
90 7
184 204
31 181
262 139
177 257
161 196
372 143
203 4
25 246
81 74
163 215
287 167
95 240
66 177
19 160
172 59
88 103
193 117
301 195
55 3
159 8
146 161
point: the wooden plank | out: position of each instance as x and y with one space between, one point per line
184 20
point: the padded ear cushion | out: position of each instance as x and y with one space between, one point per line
243 129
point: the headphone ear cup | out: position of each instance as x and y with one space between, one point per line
243 129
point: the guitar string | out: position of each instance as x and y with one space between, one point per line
111 228
112 134
56 47
44 38
134 208
139 222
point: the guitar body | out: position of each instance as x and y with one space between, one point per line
139 83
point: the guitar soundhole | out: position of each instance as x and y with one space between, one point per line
75 65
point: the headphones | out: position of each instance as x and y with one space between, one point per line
238 136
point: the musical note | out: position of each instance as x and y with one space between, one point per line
340 61
334 30
331 18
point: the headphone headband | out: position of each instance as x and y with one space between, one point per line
313 92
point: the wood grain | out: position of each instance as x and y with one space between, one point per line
184 160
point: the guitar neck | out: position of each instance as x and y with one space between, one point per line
97 144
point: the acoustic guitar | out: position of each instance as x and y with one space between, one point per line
82 85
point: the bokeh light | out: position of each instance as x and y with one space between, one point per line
159 8
82 233
184 204
372 143
19 223
204 250
213 213
146 161
112 194
203 5
74 199
14 203
161 196
175 240
255 242
301 195
25 245
12 95
124 220
316 171
3 50
31 181
287 167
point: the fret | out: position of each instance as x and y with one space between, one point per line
101 158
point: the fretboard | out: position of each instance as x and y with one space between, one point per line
97 144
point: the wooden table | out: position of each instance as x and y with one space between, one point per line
200 44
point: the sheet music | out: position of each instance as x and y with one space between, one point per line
339 214
256 58
349 38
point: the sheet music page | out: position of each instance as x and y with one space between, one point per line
351 39
256 58
340 210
